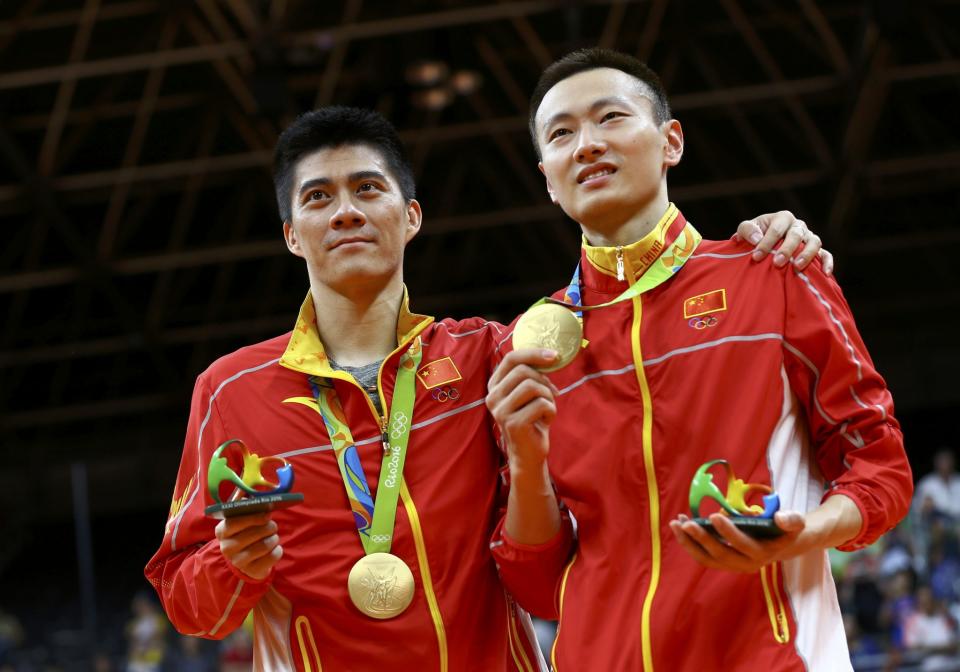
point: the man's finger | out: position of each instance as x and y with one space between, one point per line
776 225
249 536
538 410
253 552
790 521
795 236
736 538
811 247
827 260
532 357
230 527
499 390
749 231
259 569
527 391
690 545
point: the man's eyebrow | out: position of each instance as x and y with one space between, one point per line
367 175
315 182
597 104
352 177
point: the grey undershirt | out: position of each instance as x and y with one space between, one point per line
366 375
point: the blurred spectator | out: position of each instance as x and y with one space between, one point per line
237 652
102 663
929 632
189 656
863 647
11 636
146 634
944 573
940 491
900 604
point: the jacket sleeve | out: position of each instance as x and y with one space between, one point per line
531 573
857 442
201 591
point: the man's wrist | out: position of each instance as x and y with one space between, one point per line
529 473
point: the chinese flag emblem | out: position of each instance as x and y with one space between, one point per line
438 372
704 304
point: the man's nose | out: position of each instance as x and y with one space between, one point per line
347 215
590 146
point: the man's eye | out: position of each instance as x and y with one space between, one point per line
315 196
367 186
611 115
559 132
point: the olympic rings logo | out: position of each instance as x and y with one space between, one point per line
380 538
703 322
441 394
400 422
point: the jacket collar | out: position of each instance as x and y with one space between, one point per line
599 264
305 352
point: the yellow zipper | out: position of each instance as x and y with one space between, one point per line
414 519
513 638
652 491
563 592
775 608
425 572
303 624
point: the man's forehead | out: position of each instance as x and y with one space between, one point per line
590 86
341 161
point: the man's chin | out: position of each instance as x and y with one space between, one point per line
594 211
358 274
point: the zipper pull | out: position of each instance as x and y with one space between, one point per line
383 435
620 275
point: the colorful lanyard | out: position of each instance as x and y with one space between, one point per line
679 251
374 520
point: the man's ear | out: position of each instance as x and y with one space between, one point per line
414 219
673 149
290 236
553 196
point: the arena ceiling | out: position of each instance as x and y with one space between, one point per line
140 235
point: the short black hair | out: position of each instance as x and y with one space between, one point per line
590 59
335 126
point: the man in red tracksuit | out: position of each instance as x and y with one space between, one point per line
346 197
708 357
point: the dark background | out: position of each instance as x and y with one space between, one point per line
140 238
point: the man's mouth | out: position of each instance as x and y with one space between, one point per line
349 241
595 174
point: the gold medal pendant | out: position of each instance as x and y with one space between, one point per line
380 585
553 327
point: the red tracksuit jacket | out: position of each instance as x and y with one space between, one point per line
727 359
460 618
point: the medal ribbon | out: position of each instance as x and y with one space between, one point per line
374 520
678 252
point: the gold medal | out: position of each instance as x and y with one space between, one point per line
552 327
380 585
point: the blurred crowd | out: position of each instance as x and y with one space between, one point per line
900 599
148 644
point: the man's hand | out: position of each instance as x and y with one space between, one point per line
521 400
835 522
767 230
736 551
250 543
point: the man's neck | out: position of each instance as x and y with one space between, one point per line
359 328
618 232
